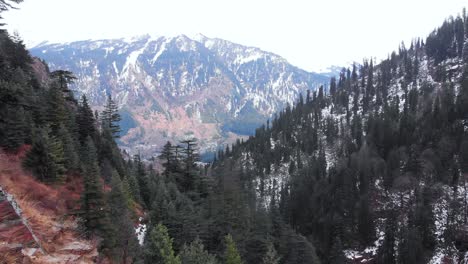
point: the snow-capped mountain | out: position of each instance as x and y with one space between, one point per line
171 87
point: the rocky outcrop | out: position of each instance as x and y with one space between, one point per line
15 232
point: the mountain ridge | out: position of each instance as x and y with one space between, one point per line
217 89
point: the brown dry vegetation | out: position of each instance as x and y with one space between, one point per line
49 211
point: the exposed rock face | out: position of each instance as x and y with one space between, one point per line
14 231
169 88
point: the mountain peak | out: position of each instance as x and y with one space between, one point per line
170 87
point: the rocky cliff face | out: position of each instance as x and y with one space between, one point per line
170 88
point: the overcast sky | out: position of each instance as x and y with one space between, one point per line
309 34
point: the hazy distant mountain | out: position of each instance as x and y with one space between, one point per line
171 87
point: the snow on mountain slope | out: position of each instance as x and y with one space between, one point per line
171 87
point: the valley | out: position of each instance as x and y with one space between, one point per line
170 88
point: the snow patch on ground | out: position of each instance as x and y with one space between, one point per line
161 49
437 258
140 231
251 57
352 254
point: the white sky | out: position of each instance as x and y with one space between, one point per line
309 34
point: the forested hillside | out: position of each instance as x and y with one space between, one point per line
372 170
75 188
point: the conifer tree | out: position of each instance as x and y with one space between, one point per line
45 158
64 79
126 245
410 248
191 156
110 117
168 158
337 256
70 153
158 248
141 176
386 253
85 120
93 210
56 110
14 128
195 253
365 221
271 256
231 254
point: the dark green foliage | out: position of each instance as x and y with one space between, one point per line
366 227
191 155
410 249
110 117
141 176
158 248
70 152
314 181
125 243
424 219
63 139
85 120
386 253
194 253
337 256
56 110
93 209
168 158
271 256
45 158
231 255
62 79
14 129
300 251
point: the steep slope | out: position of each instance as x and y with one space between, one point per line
170 87
36 223
376 170
61 174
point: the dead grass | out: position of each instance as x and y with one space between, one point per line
49 210
10 258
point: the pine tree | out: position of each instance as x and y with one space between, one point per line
56 110
168 158
424 219
85 120
299 249
337 256
365 221
386 253
195 253
191 156
158 248
410 249
231 254
45 158
70 153
14 130
271 256
93 210
126 245
64 79
110 117
142 179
